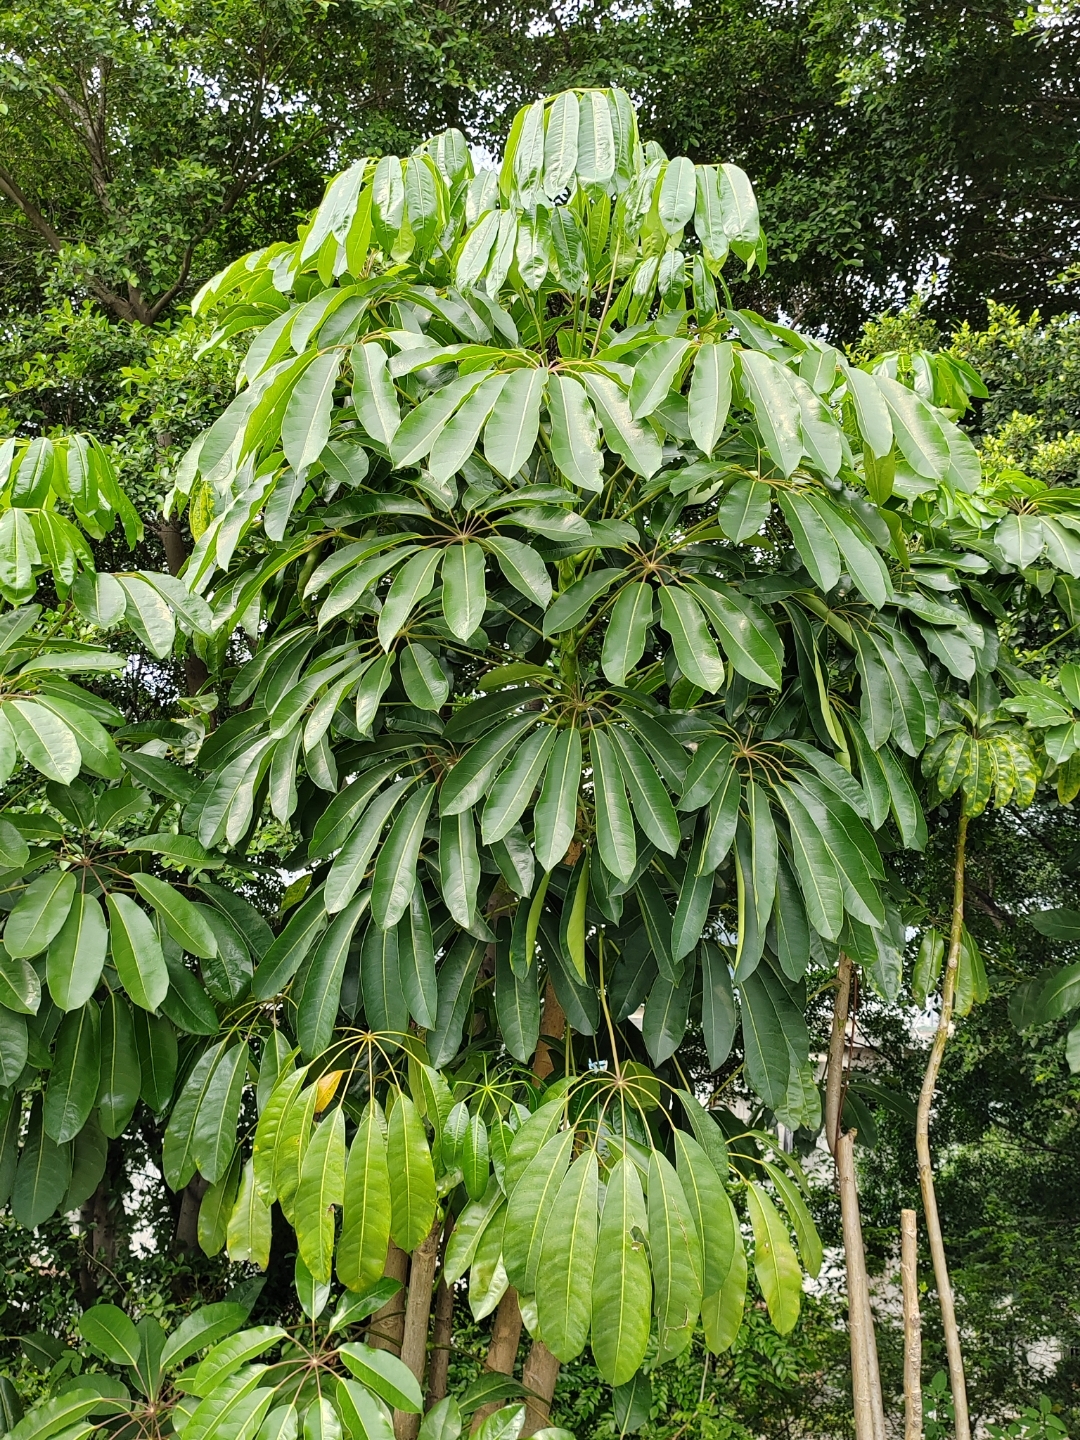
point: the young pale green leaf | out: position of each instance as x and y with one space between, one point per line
385 1374
529 1205
775 1264
710 1207
806 1234
722 1312
365 1229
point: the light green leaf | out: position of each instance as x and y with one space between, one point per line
39 914
412 1205
184 921
321 1189
136 952
511 430
575 436
365 1229
775 1264
45 740
464 594
305 425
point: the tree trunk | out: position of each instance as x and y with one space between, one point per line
442 1334
425 1261
101 1245
953 1350
909 1279
553 1024
186 1239
386 1328
502 1349
539 1376
865 1375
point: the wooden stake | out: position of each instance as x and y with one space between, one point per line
909 1278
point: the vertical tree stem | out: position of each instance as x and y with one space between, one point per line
386 1328
425 1261
502 1349
953 1350
865 1384
909 1279
865 1375
539 1375
834 1072
442 1333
